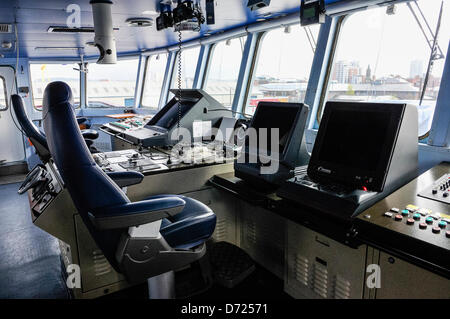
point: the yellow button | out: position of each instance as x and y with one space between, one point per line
412 207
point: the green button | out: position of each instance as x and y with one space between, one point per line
429 220
405 212
416 216
442 224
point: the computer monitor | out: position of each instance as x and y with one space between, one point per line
289 151
275 115
355 143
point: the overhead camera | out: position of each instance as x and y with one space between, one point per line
104 32
185 12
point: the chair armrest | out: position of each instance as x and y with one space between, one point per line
135 214
125 179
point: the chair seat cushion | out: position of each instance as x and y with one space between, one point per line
189 228
89 134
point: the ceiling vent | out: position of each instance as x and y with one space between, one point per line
62 29
5 28
140 22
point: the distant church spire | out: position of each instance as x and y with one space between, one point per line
368 74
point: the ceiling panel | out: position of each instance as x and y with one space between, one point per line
34 17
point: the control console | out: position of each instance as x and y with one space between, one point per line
406 221
439 190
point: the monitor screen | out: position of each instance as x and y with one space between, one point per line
168 116
355 143
274 115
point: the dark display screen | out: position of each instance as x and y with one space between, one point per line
355 142
275 115
355 139
170 117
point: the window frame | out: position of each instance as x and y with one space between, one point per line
86 84
211 50
324 90
144 81
5 96
60 63
174 73
261 35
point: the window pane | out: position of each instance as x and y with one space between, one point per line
43 74
385 57
189 60
223 72
282 70
112 85
156 69
3 104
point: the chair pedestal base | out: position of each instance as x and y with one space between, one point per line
162 286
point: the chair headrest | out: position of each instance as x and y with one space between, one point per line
56 93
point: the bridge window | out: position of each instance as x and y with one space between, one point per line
43 74
224 65
189 61
384 57
3 94
154 78
104 81
283 65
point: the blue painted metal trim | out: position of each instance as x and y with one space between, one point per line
248 58
440 129
171 59
318 69
140 81
201 66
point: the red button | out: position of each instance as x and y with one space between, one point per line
436 230
410 221
423 226
447 234
398 217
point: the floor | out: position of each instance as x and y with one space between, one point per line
30 262
29 257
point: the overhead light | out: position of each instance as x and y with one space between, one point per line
139 22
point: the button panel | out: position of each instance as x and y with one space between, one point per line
423 216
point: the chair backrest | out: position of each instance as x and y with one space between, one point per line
88 185
36 137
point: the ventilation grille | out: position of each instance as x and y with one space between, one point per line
320 280
221 230
342 288
251 231
101 264
5 28
316 277
302 270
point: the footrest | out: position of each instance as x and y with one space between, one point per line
231 265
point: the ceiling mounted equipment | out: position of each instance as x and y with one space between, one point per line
312 12
139 22
104 32
258 4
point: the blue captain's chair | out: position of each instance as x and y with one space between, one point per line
142 240
37 137
39 141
